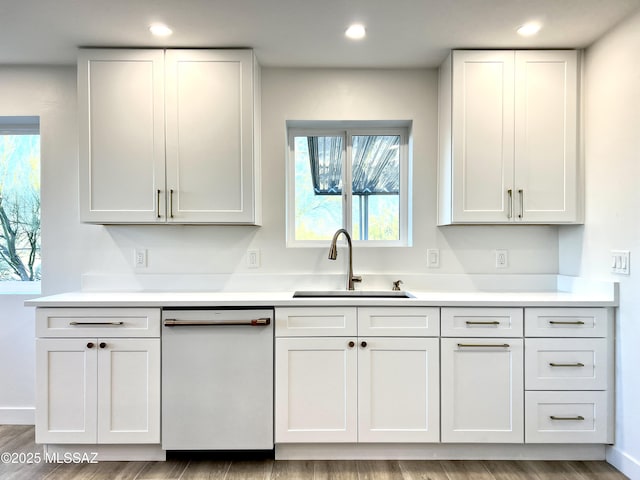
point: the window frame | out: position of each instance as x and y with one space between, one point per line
348 130
23 125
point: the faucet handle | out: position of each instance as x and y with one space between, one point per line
356 278
396 285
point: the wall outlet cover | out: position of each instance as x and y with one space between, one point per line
140 258
502 259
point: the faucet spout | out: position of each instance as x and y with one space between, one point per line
333 254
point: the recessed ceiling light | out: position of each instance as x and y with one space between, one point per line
529 29
160 30
356 31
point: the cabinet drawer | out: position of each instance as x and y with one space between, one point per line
98 322
481 322
316 322
566 364
566 417
566 322
399 322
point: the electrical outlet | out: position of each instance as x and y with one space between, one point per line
502 259
253 258
621 262
433 258
140 258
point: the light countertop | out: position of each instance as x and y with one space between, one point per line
285 299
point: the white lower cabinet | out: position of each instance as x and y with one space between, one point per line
352 389
569 375
482 390
97 390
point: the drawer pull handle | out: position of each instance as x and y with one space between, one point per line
577 417
473 322
484 345
558 322
577 364
93 324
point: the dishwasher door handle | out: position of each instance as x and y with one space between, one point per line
255 322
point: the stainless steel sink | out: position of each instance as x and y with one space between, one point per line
351 294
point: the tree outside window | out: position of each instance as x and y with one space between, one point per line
19 199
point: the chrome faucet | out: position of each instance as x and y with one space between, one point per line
333 254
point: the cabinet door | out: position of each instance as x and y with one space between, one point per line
210 136
482 130
316 390
66 390
129 390
546 135
398 390
122 156
482 390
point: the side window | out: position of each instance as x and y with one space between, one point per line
19 201
356 179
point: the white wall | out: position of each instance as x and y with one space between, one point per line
612 169
50 94
72 250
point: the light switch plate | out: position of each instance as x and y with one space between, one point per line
621 262
433 258
253 258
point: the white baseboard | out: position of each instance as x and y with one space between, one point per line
438 451
17 416
624 462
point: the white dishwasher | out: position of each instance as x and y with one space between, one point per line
217 379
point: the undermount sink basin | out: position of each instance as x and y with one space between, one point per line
351 293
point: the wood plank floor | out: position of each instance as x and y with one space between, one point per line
21 439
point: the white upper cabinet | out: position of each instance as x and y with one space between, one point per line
169 136
121 101
508 137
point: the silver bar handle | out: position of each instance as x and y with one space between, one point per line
484 345
95 323
577 364
473 322
577 417
158 204
256 322
510 208
171 203
521 193
558 322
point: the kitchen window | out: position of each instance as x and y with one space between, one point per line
19 204
355 178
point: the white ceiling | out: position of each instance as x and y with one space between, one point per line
301 33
